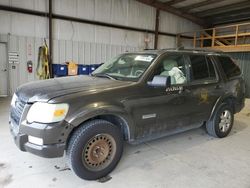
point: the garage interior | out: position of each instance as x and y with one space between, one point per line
90 32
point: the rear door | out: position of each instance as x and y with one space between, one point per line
204 86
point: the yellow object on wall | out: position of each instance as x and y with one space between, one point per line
72 68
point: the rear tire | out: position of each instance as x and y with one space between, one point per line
222 121
95 149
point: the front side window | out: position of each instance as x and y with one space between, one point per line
127 67
174 67
201 68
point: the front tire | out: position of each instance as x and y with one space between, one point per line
95 149
222 122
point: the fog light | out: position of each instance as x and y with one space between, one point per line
35 140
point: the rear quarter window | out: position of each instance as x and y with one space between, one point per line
229 67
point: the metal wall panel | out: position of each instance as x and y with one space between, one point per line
243 60
82 43
174 24
64 50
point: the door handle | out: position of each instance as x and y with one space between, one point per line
4 70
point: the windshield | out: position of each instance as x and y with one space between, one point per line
127 67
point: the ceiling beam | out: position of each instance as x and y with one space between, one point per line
200 4
242 12
231 17
173 2
167 8
226 8
233 20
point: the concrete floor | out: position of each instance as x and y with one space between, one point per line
191 159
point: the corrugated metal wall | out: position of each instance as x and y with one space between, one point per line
78 51
82 43
243 59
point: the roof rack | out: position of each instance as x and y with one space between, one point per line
193 49
201 49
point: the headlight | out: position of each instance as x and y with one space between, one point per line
47 113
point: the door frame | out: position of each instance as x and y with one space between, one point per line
8 71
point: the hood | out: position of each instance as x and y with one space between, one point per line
47 89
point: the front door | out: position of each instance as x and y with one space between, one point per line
3 70
162 110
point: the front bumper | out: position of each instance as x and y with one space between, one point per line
54 138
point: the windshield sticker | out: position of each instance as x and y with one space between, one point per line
144 58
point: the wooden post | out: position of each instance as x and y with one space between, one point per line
236 35
194 41
213 38
202 40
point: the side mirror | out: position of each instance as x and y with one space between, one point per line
160 81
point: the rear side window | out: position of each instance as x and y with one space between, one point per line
229 67
202 68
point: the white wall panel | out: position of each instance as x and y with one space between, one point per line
22 60
86 9
56 51
141 15
75 55
174 24
85 32
82 43
166 42
62 51
23 25
102 35
103 10
41 27
119 12
65 7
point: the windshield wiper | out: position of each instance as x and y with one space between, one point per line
105 75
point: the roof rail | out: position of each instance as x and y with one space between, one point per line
193 49
202 49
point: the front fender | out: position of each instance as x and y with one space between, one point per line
96 109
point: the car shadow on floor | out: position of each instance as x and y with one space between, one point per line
142 155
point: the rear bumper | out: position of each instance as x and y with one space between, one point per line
53 136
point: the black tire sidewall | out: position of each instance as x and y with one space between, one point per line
76 153
217 119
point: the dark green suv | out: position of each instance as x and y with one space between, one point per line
135 97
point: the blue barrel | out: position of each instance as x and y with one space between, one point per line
60 70
93 67
83 69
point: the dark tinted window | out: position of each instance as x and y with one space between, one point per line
229 67
211 68
202 68
199 67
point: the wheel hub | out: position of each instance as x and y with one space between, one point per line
225 121
99 151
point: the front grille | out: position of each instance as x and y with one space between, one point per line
16 111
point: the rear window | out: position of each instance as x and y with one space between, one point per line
229 67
